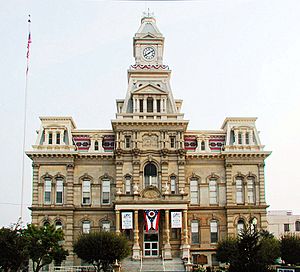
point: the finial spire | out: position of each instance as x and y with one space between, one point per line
148 14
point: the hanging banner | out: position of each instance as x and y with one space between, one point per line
176 220
151 219
127 220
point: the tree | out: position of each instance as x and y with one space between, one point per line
250 252
290 249
44 245
13 253
101 249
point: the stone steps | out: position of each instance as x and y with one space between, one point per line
153 265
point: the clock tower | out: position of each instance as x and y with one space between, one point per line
148 43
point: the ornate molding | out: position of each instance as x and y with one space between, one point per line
151 192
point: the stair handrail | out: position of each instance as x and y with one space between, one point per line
141 254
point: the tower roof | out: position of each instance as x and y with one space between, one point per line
148 26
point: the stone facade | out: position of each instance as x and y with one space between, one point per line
84 179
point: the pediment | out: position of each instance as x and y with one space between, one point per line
149 36
149 89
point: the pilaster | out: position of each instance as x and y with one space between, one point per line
35 183
261 174
70 184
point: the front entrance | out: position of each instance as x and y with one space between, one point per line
151 243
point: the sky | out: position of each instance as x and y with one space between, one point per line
228 58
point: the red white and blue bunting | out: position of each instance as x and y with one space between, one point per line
151 219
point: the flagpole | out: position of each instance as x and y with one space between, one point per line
25 120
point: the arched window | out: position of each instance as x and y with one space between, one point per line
96 145
105 225
240 226
253 224
127 184
202 145
251 190
297 226
86 191
59 190
47 190
195 231
194 191
150 175
173 185
106 191
46 223
86 226
213 231
239 190
58 224
213 191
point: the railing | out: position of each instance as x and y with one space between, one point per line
73 269
163 259
141 254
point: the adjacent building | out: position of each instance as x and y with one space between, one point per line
283 222
172 191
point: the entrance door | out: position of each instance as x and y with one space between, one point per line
151 244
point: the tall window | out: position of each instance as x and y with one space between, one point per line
50 138
247 140
47 191
158 105
239 191
212 191
297 226
213 231
172 141
127 141
251 191
57 138
128 185
240 226
105 226
58 225
59 190
286 227
149 104
105 191
195 231
239 138
86 192
173 185
150 175
141 101
96 145
86 226
202 145
214 260
194 191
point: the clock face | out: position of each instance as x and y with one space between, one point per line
149 53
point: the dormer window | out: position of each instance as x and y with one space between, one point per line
149 104
202 145
50 138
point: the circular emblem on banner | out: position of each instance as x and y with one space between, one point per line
151 214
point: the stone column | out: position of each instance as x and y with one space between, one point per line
138 105
70 185
117 222
243 137
198 149
185 245
100 141
154 105
35 184
68 231
136 246
145 105
261 175
167 246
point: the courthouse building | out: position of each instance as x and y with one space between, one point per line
172 191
